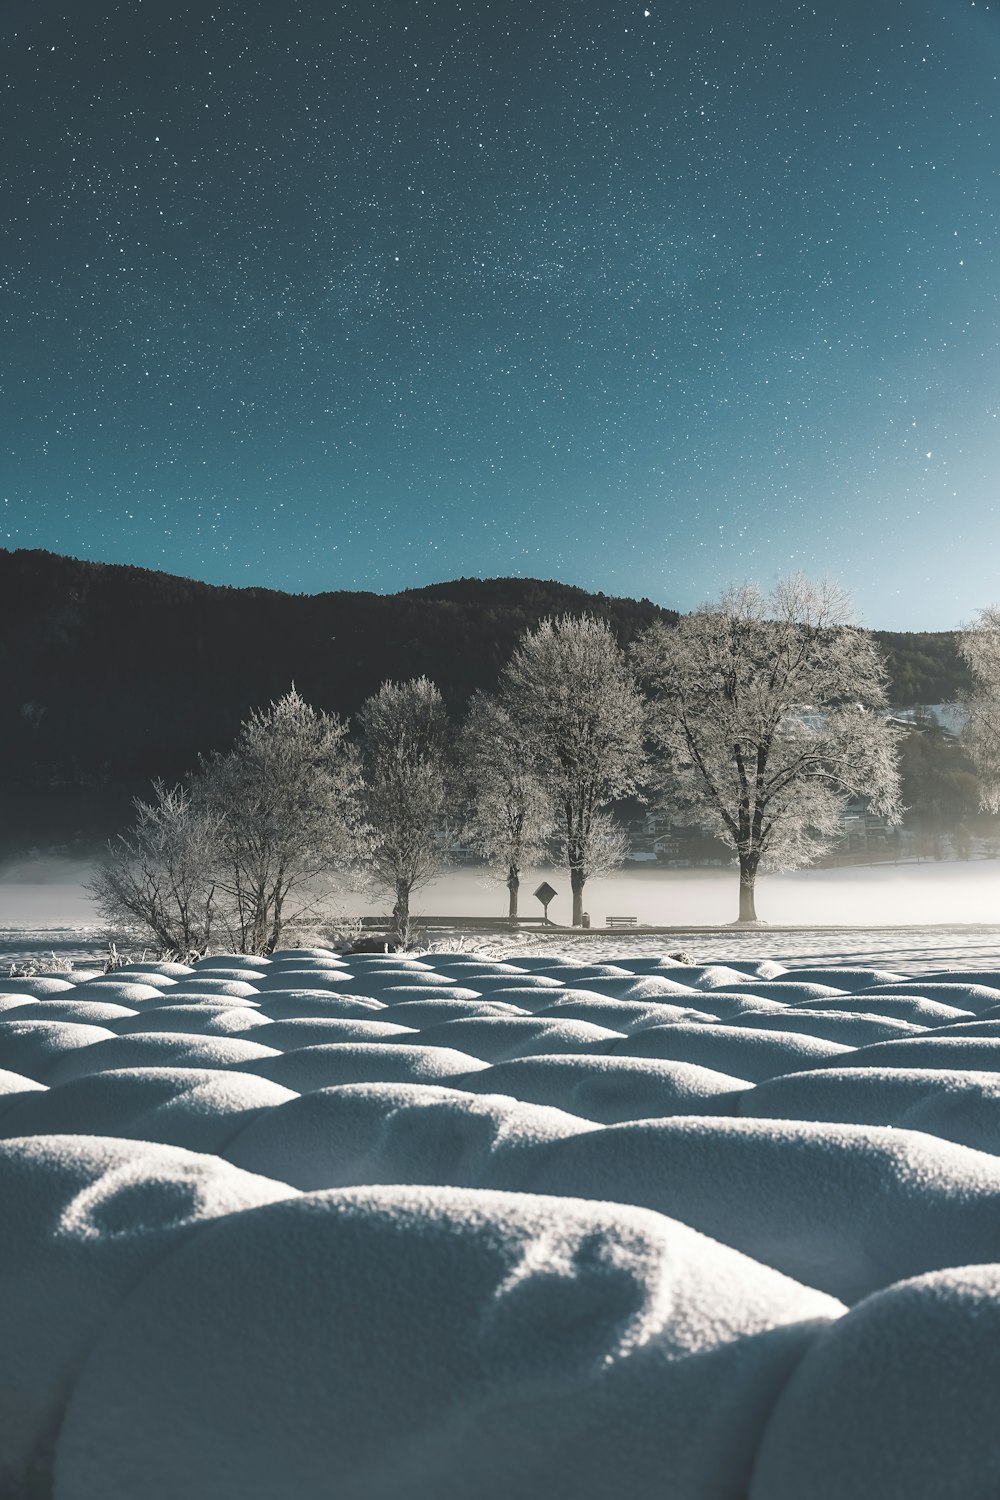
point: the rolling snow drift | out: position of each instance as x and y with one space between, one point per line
375 1227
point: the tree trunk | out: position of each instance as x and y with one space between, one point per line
278 892
276 926
748 877
401 910
577 879
513 886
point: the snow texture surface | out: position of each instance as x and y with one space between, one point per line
449 1225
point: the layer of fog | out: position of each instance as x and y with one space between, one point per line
49 892
45 891
865 896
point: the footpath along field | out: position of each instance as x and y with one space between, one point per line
549 1219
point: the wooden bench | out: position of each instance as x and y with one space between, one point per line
621 922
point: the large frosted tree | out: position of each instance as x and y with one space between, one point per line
287 799
569 690
510 817
407 757
766 711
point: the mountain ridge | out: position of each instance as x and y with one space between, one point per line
111 674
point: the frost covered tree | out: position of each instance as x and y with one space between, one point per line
510 817
159 879
766 710
602 852
287 797
406 751
980 645
569 690
239 852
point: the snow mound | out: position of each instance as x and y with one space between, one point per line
86 1012
527 1000
453 963
138 975
494 1038
579 973
313 979
844 977
976 998
398 1132
646 963
484 1344
423 1013
901 1007
525 982
533 962
85 1219
610 1089
184 997
239 961
640 987
788 991
205 1020
929 1051
988 977
616 1015
473 974
151 1049
210 988
287 1036
208 969
743 1053
758 968
958 1106
412 975
389 961
297 1004
115 991
708 976
723 1005
323 955
13 1085
898 1398
845 1208
399 994
35 1047
9 1002
325 1067
35 985
985 1027
167 970
200 1109
853 1028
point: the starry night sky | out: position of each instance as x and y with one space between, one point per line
648 297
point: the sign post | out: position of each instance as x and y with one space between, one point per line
545 894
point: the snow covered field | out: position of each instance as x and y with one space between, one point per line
448 1225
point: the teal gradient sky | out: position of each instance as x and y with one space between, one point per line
649 298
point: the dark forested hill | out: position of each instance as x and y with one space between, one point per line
924 666
111 675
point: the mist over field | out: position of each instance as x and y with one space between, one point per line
860 895
47 891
